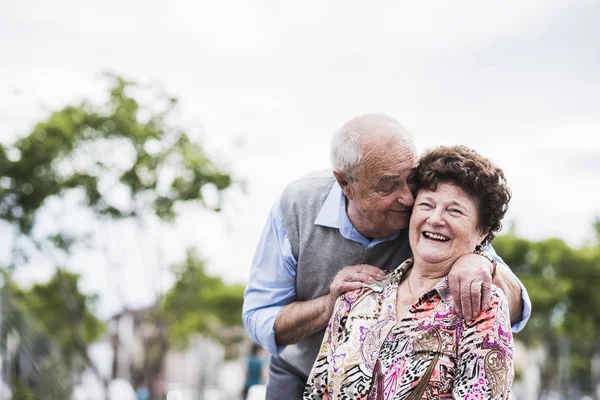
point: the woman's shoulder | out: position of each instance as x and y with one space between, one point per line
498 295
356 300
496 316
491 328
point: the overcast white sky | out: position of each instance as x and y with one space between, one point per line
267 82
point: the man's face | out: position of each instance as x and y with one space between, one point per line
380 200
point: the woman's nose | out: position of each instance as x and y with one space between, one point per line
436 217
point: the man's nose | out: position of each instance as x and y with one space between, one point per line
406 198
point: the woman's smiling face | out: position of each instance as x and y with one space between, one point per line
444 225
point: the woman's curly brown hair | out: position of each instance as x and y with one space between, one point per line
476 175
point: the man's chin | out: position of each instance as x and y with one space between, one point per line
399 220
399 226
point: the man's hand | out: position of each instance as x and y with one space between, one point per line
470 281
300 319
353 277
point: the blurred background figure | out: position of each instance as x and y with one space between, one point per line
142 392
255 372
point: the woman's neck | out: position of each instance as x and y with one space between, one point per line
424 276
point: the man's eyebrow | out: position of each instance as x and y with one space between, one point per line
387 178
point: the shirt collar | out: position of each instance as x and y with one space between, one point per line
329 215
333 215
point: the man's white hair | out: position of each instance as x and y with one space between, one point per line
346 144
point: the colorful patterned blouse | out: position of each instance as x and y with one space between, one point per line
429 354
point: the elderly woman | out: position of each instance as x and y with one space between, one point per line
401 338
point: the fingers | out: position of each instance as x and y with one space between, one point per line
366 269
481 297
346 286
353 277
455 291
470 286
465 302
486 295
475 299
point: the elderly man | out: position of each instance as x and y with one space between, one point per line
330 234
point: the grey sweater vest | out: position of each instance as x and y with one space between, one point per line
321 252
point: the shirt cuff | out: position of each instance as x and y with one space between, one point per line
526 310
524 295
264 329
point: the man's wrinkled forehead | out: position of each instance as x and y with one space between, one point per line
389 150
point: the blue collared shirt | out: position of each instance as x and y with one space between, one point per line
272 283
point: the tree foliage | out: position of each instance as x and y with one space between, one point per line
50 326
200 303
76 147
561 282
62 312
123 159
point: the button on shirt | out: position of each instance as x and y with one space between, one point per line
272 283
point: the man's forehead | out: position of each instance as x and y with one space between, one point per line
391 158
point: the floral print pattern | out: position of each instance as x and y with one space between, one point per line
431 353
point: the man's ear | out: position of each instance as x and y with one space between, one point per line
344 183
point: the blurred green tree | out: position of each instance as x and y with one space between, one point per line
200 303
51 325
565 321
76 147
122 159
59 307
197 304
